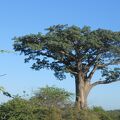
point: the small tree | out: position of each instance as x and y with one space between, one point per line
51 97
78 51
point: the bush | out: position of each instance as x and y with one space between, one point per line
17 109
115 115
48 113
72 113
101 113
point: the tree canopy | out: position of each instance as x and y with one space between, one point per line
62 46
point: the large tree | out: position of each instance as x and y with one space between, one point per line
78 51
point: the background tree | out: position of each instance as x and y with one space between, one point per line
51 97
78 51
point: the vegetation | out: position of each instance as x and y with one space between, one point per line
77 51
114 114
51 96
6 51
37 109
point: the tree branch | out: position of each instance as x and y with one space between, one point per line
60 61
104 82
71 71
46 54
94 68
70 57
92 72
111 63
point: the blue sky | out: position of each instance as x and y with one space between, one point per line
31 16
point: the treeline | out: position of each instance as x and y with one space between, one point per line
51 103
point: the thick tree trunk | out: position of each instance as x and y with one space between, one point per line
82 90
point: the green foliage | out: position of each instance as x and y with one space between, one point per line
34 109
43 106
17 109
71 113
63 46
114 114
6 51
51 96
4 92
102 114
21 109
87 115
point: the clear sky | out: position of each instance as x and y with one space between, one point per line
20 17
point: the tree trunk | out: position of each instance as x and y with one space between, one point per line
82 90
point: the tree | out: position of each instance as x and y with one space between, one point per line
78 51
51 97
50 102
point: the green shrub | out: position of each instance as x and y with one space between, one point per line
71 113
48 113
114 114
101 113
17 109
